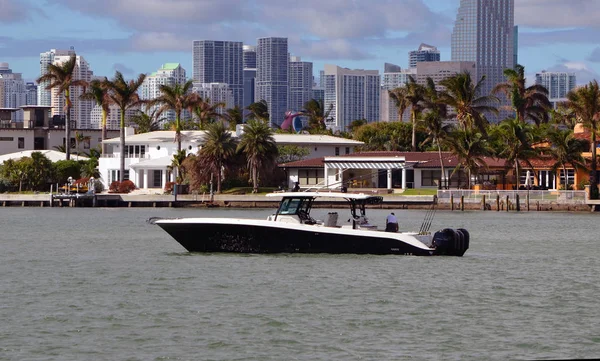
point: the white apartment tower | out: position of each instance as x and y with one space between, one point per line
44 96
215 93
168 74
13 93
81 109
272 83
220 62
300 82
397 78
559 84
352 94
484 33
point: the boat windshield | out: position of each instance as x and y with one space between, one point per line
290 206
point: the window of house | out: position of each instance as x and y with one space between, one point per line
21 143
6 139
86 144
337 150
308 177
347 150
430 178
157 179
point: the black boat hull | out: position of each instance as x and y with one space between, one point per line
244 238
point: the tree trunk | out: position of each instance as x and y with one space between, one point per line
414 131
104 115
254 178
122 138
593 179
444 183
67 126
219 178
517 176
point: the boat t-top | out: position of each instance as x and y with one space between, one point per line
292 229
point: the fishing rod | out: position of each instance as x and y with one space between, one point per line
426 225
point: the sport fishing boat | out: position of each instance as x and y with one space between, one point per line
291 229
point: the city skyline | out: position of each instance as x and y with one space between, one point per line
134 36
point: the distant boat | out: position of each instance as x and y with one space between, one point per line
291 229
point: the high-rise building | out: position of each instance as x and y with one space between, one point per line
249 56
352 95
168 74
559 84
215 93
424 53
249 88
80 109
301 83
31 89
272 77
12 91
220 62
393 78
46 58
484 34
440 70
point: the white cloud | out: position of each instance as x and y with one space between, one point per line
12 11
557 13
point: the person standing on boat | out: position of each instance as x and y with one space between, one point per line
391 223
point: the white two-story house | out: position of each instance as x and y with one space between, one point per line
148 156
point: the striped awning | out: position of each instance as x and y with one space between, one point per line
365 164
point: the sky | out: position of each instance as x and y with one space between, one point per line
137 36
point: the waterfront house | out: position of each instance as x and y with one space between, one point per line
39 131
148 156
406 170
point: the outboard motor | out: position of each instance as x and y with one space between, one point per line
450 242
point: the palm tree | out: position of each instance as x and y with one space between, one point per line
60 76
124 94
177 98
433 120
207 113
585 103
566 149
398 95
258 144
317 114
527 102
234 116
516 139
463 96
80 138
218 147
177 163
471 148
259 110
145 123
98 92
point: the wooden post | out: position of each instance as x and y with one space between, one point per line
507 203
527 201
518 205
462 203
483 203
452 202
498 203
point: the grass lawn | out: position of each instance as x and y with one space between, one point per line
419 192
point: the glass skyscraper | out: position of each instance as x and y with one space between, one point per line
484 33
220 62
272 76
